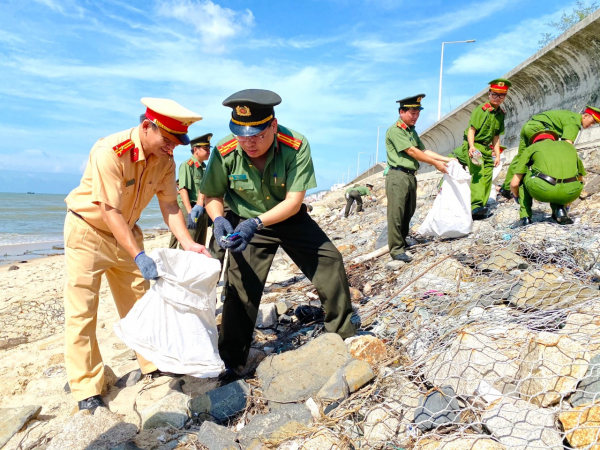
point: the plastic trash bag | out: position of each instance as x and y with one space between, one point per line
173 324
495 174
450 215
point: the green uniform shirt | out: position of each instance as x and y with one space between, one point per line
362 190
488 122
566 123
558 159
247 191
191 173
398 139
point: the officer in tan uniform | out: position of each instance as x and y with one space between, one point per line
123 173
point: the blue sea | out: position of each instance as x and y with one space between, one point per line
31 224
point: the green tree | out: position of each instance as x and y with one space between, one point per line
580 12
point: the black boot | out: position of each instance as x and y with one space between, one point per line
402 257
523 222
505 193
91 403
561 216
480 213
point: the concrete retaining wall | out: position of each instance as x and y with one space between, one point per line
563 75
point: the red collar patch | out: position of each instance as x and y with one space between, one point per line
401 125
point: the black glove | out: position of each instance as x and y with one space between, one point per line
222 228
246 229
147 266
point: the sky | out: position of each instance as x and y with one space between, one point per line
73 71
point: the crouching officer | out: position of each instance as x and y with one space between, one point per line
355 194
404 151
483 136
555 175
262 172
190 200
123 173
566 124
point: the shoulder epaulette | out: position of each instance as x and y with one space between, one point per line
487 107
227 147
401 125
190 162
289 141
123 147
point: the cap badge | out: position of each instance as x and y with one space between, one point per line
243 111
419 99
501 83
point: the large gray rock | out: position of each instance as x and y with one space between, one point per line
217 437
588 389
285 420
172 410
299 374
13 419
346 380
521 425
503 260
222 403
101 431
267 315
439 407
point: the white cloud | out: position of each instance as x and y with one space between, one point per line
64 7
505 51
215 24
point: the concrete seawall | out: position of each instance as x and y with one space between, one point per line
562 75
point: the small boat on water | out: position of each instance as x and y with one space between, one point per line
31 192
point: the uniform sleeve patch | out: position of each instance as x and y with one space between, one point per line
123 147
289 141
227 147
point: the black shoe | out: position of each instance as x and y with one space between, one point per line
505 193
230 374
561 216
480 213
402 257
523 222
91 403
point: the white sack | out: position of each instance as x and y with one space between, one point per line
173 324
450 215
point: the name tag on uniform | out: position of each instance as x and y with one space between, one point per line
238 177
130 183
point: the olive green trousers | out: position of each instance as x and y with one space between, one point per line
529 129
314 254
535 188
198 234
401 192
481 176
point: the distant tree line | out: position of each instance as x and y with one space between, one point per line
580 12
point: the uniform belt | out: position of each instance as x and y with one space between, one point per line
404 169
553 181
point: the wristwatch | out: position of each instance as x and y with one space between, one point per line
259 224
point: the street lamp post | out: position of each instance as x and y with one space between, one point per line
377 151
348 174
358 163
441 69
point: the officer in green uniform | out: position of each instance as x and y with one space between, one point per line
483 135
262 172
190 200
404 151
550 171
566 123
355 194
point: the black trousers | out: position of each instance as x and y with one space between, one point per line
350 198
312 251
198 234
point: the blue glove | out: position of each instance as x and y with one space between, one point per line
197 212
147 266
191 223
246 229
222 228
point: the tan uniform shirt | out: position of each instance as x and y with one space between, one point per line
119 175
